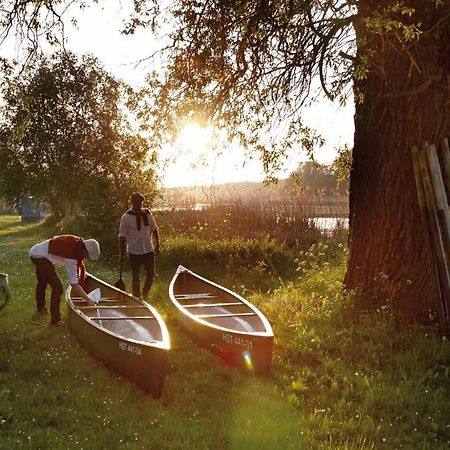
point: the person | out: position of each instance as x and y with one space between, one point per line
138 230
64 250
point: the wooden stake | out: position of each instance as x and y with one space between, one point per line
424 216
440 197
435 240
445 156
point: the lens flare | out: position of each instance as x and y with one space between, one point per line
248 360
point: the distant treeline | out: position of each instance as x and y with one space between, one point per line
311 184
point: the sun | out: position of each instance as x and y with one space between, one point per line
194 138
187 161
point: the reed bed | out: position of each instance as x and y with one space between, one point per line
291 218
290 200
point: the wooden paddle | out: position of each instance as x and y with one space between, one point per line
120 283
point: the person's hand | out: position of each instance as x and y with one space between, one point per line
157 250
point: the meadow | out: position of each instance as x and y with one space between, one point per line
343 375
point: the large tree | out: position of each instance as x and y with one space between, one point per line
65 139
250 66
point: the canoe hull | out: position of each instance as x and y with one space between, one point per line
141 358
245 352
223 321
146 366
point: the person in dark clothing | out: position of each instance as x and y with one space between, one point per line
64 250
138 230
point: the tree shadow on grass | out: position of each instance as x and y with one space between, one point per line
13 229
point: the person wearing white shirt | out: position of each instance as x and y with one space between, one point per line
138 230
65 250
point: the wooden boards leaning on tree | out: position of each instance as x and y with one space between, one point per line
432 175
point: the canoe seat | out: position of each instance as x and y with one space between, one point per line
121 318
207 316
102 299
201 305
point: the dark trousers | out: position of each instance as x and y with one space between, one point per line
148 261
46 275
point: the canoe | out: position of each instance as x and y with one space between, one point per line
122 331
222 320
5 293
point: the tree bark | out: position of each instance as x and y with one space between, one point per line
406 101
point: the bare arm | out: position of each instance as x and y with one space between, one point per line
156 241
78 291
122 245
123 232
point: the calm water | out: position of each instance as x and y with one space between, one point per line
329 223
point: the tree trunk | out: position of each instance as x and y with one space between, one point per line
405 102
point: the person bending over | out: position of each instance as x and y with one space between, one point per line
65 250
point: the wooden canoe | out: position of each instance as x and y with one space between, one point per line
124 332
222 320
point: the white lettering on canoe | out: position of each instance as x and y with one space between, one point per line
126 347
238 341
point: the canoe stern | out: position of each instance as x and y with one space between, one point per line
249 352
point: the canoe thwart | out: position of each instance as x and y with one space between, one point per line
121 318
201 305
207 316
197 295
111 307
102 299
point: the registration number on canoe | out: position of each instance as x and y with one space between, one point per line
237 340
126 347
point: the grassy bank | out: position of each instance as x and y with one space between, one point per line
342 377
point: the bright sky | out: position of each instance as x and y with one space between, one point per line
191 161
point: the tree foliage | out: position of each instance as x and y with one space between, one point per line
66 139
250 66
257 63
26 23
319 178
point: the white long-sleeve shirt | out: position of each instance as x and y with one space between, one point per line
41 251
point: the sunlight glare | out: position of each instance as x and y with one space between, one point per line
248 360
194 138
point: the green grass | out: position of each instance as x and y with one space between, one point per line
358 383
342 377
53 395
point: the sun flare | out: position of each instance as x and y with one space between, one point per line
194 137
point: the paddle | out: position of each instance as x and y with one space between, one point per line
119 283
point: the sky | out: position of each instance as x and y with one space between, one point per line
190 161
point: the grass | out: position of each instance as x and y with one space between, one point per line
342 378
53 395
359 384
